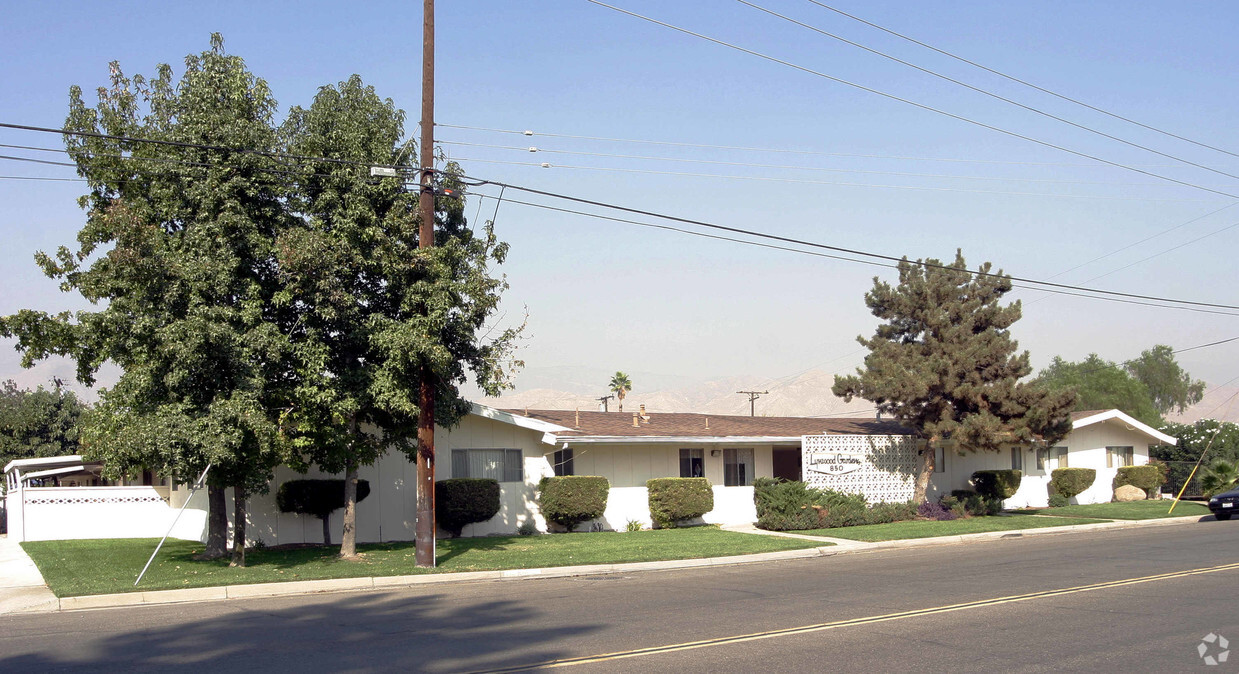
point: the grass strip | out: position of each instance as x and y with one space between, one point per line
927 528
83 567
1132 510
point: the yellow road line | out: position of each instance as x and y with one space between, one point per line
821 627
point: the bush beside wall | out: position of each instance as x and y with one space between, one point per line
997 484
571 499
675 499
1147 477
1071 482
784 505
465 500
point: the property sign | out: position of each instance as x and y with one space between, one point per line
835 463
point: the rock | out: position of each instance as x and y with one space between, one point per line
1128 493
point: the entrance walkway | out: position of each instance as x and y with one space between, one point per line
21 585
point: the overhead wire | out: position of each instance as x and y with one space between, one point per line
986 92
842 249
906 101
1024 82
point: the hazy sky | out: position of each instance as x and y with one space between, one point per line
855 169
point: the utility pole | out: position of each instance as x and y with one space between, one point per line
753 395
425 530
604 400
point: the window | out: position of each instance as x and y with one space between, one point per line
939 460
1017 458
1043 457
504 465
1117 457
1061 453
737 467
562 462
692 463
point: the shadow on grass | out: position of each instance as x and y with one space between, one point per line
392 631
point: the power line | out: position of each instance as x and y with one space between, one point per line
928 108
841 249
807 181
1024 82
706 146
828 169
985 92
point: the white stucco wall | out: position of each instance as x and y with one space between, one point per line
1086 449
55 513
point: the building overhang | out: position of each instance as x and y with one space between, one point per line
1131 424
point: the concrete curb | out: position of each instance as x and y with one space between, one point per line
291 588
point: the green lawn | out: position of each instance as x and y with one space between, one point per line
929 528
80 567
1133 510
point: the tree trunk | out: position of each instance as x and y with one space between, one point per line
238 526
348 541
217 524
326 529
925 470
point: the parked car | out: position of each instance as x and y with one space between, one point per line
1224 504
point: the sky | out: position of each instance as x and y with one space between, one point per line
631 113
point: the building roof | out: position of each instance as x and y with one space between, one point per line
618 426
1090 417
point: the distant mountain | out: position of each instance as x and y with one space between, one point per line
807 394
1221 403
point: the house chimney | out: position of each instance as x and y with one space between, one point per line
635 422
707 423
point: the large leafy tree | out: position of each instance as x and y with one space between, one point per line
1170 387
943 362
178 249
39 423
371 308
1101 385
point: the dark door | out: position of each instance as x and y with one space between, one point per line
786 462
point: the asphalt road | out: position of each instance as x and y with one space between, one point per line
1128 600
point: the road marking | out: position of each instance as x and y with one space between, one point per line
869 620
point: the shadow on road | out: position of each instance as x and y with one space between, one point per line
354 632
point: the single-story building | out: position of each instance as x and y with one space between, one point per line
518 448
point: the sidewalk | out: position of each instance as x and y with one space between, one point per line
21 584
22 588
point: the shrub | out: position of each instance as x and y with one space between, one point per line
963 494
527 528
785 505
1058 501
634 526
674 499
997 484
1146 477
569 500
1071 481
465 500
319 498
937 511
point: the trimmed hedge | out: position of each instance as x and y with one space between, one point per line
465 500
997 484
784 505
674 499
1147 477
569 500
1071 481
319 498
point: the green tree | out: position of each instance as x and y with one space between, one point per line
1169 386
39 423
353 273
943 362
178 248
1219 476
1101 385
1220 438
620 386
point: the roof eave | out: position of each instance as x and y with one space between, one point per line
1132 425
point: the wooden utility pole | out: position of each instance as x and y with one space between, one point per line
425 531
753 395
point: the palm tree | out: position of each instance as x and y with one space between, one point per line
1219 477
620 386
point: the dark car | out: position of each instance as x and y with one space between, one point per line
1224 504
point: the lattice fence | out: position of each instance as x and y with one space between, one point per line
66 500
882 467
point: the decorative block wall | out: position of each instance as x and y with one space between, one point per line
882 467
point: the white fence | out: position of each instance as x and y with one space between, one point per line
54 513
